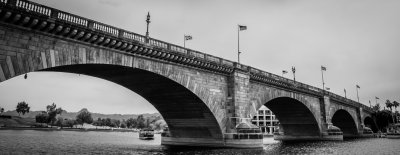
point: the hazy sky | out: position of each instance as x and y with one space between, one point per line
356 40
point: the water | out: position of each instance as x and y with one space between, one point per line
75 142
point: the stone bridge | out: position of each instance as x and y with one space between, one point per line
205 100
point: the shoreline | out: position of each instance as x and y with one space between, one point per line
68 129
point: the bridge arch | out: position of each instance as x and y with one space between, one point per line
295 118
345 122
370 123
187 114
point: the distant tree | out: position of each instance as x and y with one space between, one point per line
158 125
115 123
123 125
389 105
395 104
1 110
42 118
140 122
107 122
52 112
22 107
383 119
376 107
60 122
98 122
84 116
70 123
131 123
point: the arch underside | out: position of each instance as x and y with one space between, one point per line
343 120
294 117
369 122
186 114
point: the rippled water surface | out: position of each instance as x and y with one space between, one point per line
75 142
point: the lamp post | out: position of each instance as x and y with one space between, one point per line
147 31
345 96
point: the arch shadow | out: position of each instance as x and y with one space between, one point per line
369 122
294 117
185 113
343 120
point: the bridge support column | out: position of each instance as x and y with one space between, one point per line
240 132
329 131
363 131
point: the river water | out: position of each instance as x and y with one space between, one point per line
91 142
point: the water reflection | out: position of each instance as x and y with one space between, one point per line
72 142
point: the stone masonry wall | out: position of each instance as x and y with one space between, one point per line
260 94
23 50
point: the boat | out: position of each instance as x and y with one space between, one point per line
146 134
394 131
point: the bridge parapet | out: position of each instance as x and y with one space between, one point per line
56 22
272 79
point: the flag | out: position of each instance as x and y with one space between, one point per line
377 98
188 37
284 72
242 27
323 68
327 88
357 86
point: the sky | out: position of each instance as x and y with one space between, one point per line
356 40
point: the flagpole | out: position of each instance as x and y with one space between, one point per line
358 98
238 45
323 83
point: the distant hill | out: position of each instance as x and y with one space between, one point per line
72 115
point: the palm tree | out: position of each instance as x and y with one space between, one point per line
389 104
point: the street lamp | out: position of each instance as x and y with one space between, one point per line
345 96
147 30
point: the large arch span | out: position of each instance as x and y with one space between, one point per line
185 113
343 120
294 117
